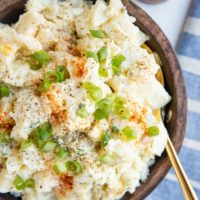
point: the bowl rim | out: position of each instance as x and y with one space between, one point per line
149 26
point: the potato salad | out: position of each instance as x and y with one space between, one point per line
79 102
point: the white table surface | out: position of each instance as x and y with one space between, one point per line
169 15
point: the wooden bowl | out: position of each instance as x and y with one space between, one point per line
10 11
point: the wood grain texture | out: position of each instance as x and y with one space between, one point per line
173 81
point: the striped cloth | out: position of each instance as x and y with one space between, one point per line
188 51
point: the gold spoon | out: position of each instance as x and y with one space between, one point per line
185 184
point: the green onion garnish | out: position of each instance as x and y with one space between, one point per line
62 153
103 71
26 144
102 54
100 114
116 70
61 72
119 109
119 101
90 54
51 77
105 139
130 133
48 146
30 183
4 138
43 132
59 167
105 103
153 131
97 33
38 59
4 90
82 111
116 63
106 158
118 60
74 166
44 86
104 107
122 112
95 93
19 183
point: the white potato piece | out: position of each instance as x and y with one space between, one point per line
28 114
5 181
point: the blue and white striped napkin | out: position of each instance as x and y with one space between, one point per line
188 51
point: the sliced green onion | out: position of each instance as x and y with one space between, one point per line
116 70
106 158
82 111
44 86
34 65
103 71
153 131
115 129
59 167
74 166
62 153
88 86
95 93
104 107
4 90
51 77
90 54
97 33
116 63
105 139
38 59
19 183
42 56
102 54
100 114
61 73
4 138
30 183
105 103
120 101
118 60
26 144
122 112
130 133
119 108
48 146
43 132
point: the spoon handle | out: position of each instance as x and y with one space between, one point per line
186 186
